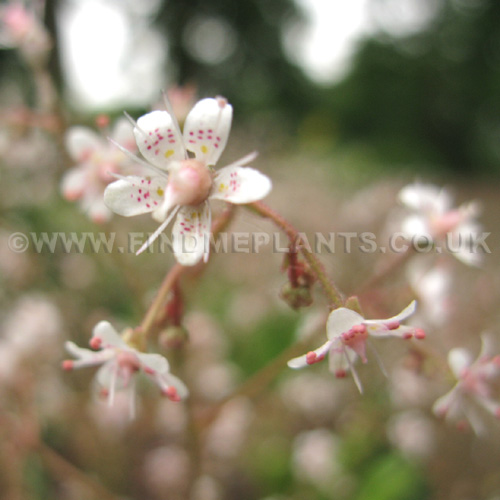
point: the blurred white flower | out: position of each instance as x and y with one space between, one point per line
434 218
97 161
432 286
348 333
412 433
314 456
167 469
473 389
227 434
33 325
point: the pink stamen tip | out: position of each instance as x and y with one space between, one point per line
95 342
172 394
340 373
149 370
358 328
103 393
67 364
407 335
394 325
311 357
102 121
419 333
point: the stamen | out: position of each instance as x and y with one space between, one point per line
419 333
67 365
95 342
137 159
158 231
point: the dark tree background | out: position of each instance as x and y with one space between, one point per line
431 99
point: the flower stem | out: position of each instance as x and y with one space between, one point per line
316 266
171 279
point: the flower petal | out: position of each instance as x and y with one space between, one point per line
123 134
447 405
425 198
78 352
108 335
240 185
459 359
206 129
82 142
405 313
134 195
305 360
74 183
172 381
98 211
159 139
155 362
341 320
191 233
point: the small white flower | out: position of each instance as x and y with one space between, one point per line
473 387
119 364
97 160
182 185
434 217
348 333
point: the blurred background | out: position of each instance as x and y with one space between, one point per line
346 101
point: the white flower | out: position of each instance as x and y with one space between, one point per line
432 285
348 333
472 389
119 363
182 185
97 160
434 217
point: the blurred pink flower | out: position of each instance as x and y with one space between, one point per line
20 28
182 185
97 161
119 363
348 333
473 389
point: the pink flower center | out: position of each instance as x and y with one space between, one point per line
128 361
355 339
190 184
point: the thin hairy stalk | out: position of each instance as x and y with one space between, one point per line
316 266
386 270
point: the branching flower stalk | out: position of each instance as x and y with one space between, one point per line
333 294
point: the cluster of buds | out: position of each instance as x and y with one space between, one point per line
297 291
